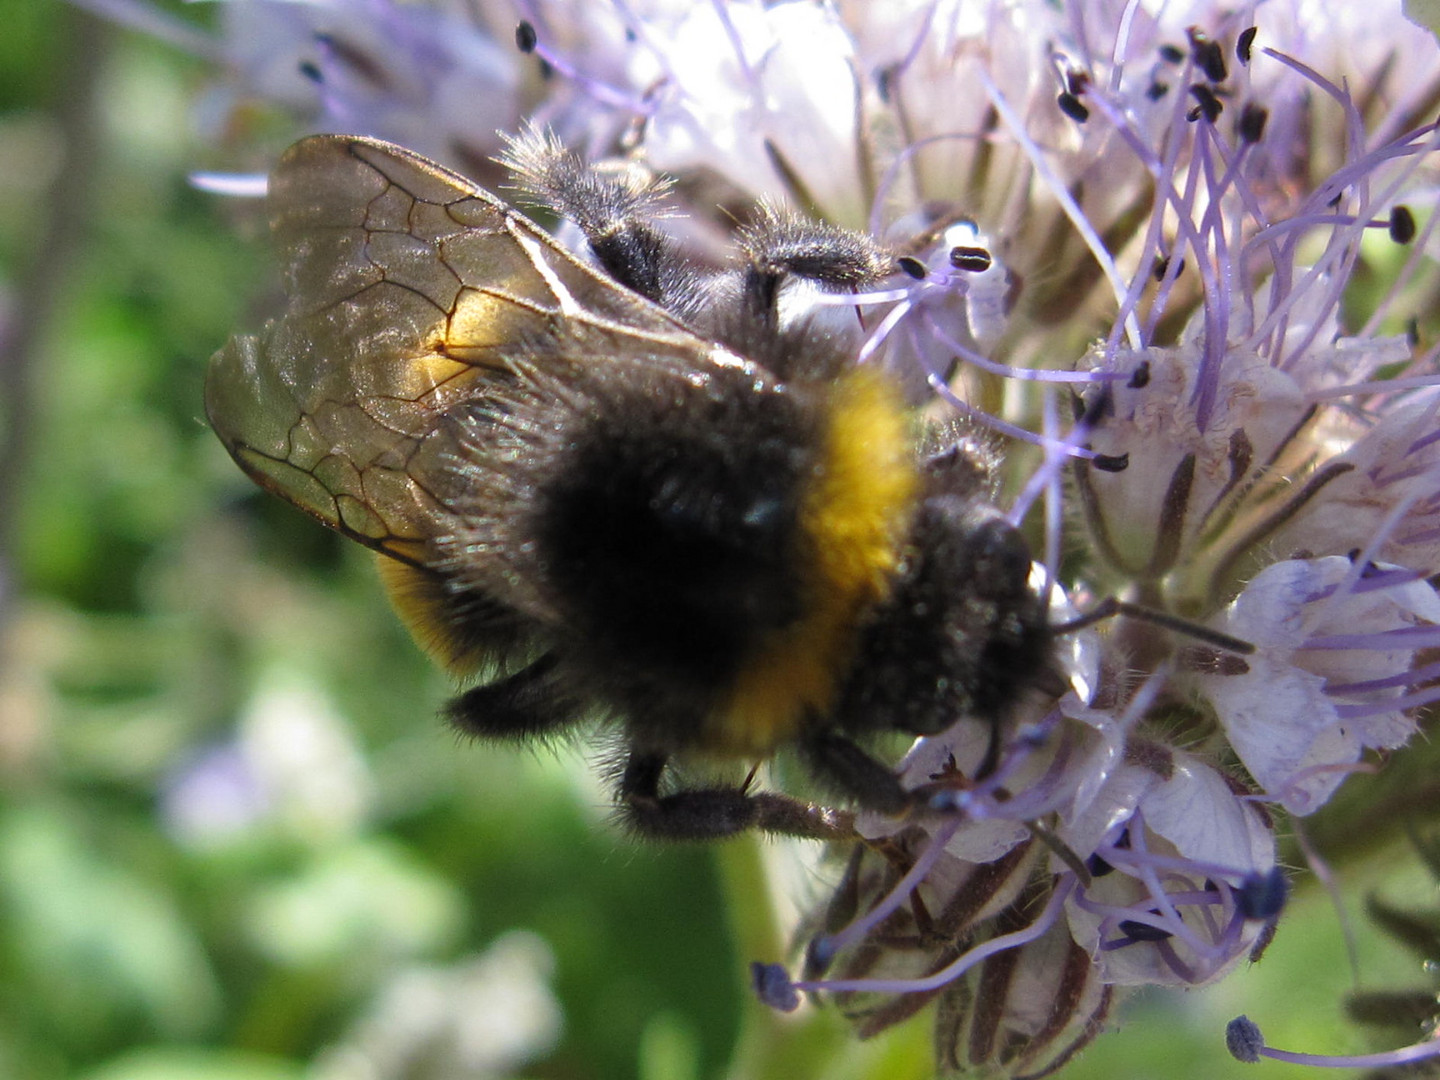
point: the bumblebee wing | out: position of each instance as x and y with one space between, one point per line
411 294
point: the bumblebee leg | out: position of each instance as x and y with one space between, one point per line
781 245
855 773
705 814
612 206
716 813
521 706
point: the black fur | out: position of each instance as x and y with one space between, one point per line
653 514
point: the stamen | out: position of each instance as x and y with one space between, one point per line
1263 896
1124 857
1384 706
1207 54
1370 579
1405 678
1112 606
1137 932
773 986
1292 793
1144 869
1073 107
1060 191
913 267
1400 637
1253 119
1244 43
527 40
871 297
1209 106
943 390
978 260
824 949
1376 386
1065 884
1245 1043
984 363
1402 225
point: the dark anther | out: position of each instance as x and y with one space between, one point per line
1098 867
1209 106
1243 1040
1162 264
1402 225
1156 90
311 70
1244 43
1111 462
1209 57
1090 413
1252 122
525 38
1140 377
1262 896
912 267
1139 931
1073 107
1172 54
773 986
975 259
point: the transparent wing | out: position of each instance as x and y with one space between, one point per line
410 294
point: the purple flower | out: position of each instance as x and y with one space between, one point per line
1174 210
1177 254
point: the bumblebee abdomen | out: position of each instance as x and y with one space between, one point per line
711 542
666 525
857 503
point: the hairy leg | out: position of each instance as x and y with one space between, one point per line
718 812
528 704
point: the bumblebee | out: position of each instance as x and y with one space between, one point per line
626 490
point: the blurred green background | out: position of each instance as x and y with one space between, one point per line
235 842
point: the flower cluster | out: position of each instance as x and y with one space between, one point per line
1176 255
